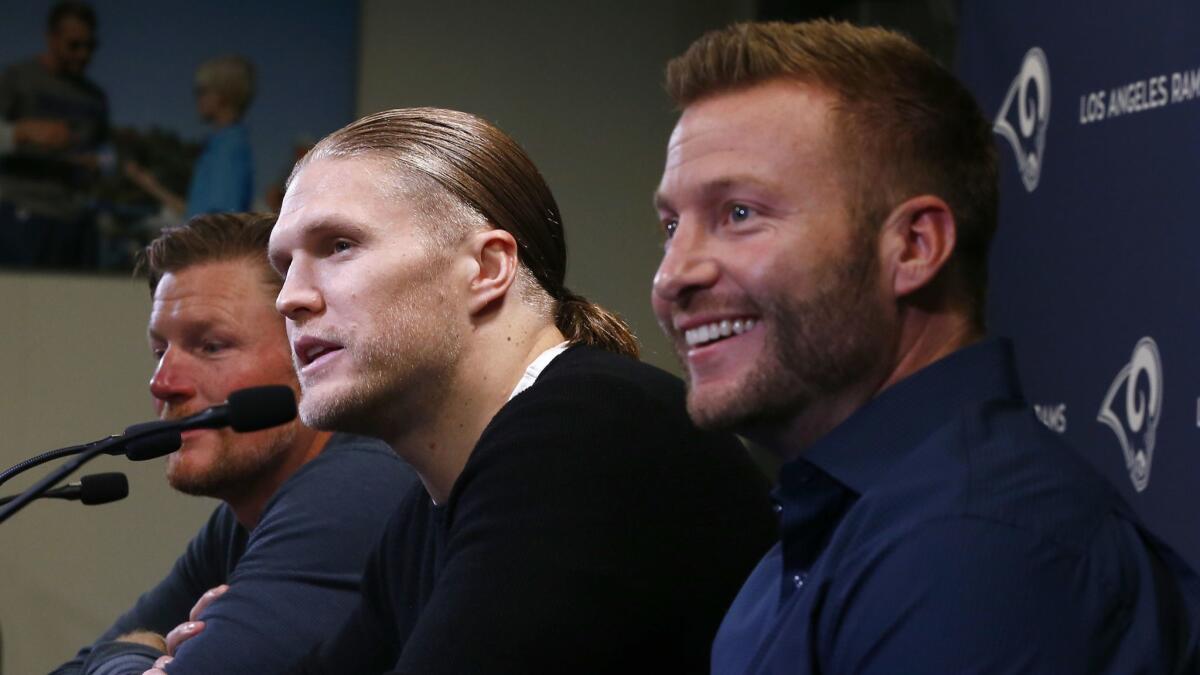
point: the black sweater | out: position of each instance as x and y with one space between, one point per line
594 529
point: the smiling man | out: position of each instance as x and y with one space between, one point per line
828 199
300 510
573 519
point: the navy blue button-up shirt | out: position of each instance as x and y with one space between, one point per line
943 529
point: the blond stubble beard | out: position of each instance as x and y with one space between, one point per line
402 370
815 347
235 470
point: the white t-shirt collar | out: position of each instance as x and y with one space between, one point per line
535 368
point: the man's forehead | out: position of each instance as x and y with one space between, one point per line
752 130
335 190
765 114
334 176
217 283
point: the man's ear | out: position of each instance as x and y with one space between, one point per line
917 240
494 257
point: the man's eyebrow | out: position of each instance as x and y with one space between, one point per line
328 225
316 229
711 190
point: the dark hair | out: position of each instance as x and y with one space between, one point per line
210 237
909 127
61 10
471 162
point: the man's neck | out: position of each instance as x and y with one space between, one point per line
50 63
224 117
249 507
484 378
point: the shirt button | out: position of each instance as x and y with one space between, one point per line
798 579
778 508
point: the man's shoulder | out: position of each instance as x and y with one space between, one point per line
349 450
31 74
1015 470
351 470
993 467
352 455
329 513
588 398
591 372
24 69
605 423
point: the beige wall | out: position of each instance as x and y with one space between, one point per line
577 83
75 364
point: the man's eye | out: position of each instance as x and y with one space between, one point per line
212 347
739 213
341 245
669 228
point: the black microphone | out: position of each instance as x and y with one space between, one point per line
246 410
99 488
158 443
138 446
251 410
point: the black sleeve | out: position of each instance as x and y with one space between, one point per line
299 578
367 641
203 565
594 530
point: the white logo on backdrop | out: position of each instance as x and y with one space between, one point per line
1135 423
1053 415
1028 105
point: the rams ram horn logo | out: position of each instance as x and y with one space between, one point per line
1025 114
1131 409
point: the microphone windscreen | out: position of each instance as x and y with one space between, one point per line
102 488
261 407
156 444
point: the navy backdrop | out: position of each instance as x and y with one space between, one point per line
1093 273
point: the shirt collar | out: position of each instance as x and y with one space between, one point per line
859 451
535 369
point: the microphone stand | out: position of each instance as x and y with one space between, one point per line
56 476
246 410
45 457
139 442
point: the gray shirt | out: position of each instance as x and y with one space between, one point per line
42 181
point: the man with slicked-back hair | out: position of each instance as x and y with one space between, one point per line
573 519
827 203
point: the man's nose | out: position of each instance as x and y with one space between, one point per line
172 382
688 265
299 295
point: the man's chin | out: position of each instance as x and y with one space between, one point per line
192 470
713 413
317 414
191 483
745 410
338 411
